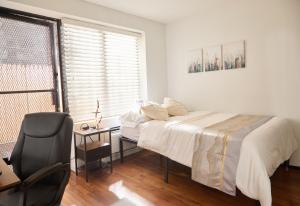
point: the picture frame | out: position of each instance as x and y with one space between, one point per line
195 61
212 58
234 55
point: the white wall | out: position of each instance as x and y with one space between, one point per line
271 82
154 32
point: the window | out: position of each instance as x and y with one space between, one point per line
101 63
28 75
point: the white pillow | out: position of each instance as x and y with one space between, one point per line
174 108
133 119
156 112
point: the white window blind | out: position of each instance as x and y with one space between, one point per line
100 63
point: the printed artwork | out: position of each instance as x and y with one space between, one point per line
234 55
195 61
212 58
226 56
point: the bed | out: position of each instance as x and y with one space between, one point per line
132 133
245 160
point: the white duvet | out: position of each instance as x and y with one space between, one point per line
262 150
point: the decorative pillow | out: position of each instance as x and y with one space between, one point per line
156 112
174 108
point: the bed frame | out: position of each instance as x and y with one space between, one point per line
167 161
121 141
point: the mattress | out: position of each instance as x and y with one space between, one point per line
130 132
261 152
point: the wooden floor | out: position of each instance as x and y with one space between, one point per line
142 176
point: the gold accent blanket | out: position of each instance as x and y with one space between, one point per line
217 150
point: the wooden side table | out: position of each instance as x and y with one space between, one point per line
94 150
8 179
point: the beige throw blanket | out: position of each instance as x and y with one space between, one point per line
217 151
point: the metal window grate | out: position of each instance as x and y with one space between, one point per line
24 43
27 73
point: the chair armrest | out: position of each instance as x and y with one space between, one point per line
43 173
7 161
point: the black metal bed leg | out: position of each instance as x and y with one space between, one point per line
161 158
166 170
286 165
121 150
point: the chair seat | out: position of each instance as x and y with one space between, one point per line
38 195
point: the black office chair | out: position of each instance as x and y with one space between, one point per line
41 159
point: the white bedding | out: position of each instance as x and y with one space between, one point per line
132 133
261 152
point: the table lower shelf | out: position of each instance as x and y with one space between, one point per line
92 152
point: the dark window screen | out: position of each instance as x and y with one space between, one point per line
27 73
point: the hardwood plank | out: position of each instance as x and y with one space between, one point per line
142 174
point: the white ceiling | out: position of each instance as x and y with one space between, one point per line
164 11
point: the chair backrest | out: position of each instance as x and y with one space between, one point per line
44 139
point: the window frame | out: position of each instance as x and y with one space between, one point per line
57 72
54 25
